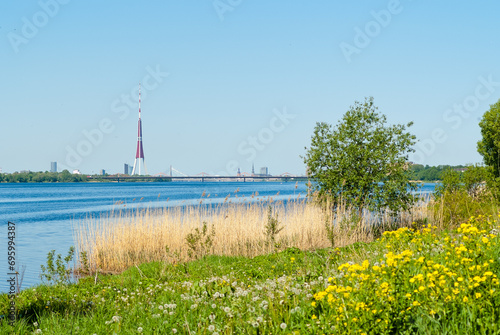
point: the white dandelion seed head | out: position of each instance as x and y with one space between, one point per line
283 326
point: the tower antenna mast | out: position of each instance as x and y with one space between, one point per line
139 155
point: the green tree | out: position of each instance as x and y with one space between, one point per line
450 182
65 177
362 161
489 145
475 179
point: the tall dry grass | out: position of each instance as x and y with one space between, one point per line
122 239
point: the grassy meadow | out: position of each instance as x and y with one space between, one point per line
271 268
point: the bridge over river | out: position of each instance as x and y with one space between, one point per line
201 177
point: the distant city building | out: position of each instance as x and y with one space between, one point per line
76 172
264 171
102 172
126 168
53 166
253 169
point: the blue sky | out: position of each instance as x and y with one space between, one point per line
231 82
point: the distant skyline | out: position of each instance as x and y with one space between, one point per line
227 84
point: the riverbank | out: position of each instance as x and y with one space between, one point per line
237 226
422 280
46 213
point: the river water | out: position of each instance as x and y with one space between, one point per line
45 214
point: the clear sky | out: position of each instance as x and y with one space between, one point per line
231 82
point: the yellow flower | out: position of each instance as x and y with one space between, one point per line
478 295
313 304
465 299
314 317
416 303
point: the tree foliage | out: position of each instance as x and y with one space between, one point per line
431 173
489 145
42 177
362 161
461 195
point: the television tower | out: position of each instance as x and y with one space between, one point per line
139 155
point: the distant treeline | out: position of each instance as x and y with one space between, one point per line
419 172
41 177
432 173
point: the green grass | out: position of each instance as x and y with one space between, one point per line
290 292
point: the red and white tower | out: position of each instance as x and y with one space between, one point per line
139 155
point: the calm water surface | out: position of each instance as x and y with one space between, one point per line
45 214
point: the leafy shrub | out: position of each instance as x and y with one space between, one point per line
272 227
200 241
59 272
462 195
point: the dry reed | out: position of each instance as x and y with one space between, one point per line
122 239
